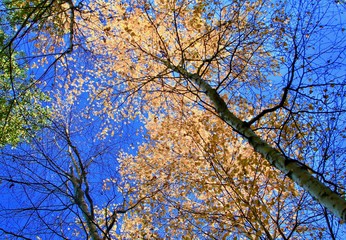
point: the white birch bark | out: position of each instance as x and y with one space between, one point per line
295 170
80 201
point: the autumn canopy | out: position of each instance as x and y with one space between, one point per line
187 119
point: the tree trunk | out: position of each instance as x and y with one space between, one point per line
295 170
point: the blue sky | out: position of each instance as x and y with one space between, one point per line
47 159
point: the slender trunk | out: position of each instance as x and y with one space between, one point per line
80 201
298 172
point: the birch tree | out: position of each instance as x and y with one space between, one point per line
54 186
262 67
257 85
